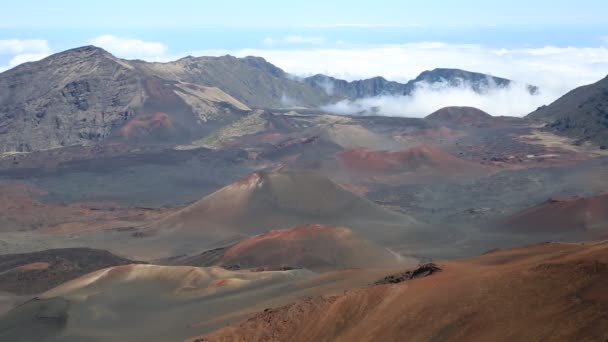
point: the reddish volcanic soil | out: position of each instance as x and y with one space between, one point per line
573 214
357 189
158 91
424 161
145 124
264 201
20 209
315 247
551 292
164 303
268 200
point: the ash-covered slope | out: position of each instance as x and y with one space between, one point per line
581 114
460 117
272 200
36 272
266 200
315 247
550 291
252 80
418 161
143 302
570 216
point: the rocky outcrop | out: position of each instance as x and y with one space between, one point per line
72 98
479 82
422 271
85 95
341 89
252 80
377 86
581 114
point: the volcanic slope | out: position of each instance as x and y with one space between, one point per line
314 247
552 291
570 215
135 302
417 164
581 114
460 117
323 140
86 95
272 200
252 80
22 209
36 272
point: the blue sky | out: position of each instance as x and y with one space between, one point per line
184 24
556 44
295 14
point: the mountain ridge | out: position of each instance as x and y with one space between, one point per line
86 95
379 86
581 114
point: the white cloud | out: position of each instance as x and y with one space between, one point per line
514 100
554 69
19 46
26 57
19 51
131 47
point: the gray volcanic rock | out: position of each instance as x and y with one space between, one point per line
84 96
581 114
337 88
479 82
252 80
459 116
71 98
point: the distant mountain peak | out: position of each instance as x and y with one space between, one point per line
439 74
88 50
479 82
379 86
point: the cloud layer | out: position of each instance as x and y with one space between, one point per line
23 50
514 100
18 46
131 48
556 69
